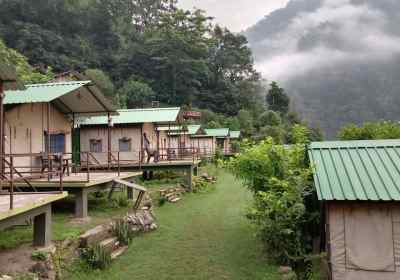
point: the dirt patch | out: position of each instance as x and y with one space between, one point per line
16 260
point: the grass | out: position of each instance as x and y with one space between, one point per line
204 236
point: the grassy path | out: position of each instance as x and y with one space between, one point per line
204 236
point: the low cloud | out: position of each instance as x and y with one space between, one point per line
336 32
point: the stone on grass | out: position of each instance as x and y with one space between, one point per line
284 269
141 220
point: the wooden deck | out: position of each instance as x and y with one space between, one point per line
26 202
79 180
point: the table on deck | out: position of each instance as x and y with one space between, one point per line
36 206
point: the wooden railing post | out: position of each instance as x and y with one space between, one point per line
48 166
11 182
119 165
61 172
87 167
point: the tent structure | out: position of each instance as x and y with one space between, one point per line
358 182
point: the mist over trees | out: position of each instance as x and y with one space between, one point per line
337 60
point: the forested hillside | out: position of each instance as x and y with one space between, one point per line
139 51
338 60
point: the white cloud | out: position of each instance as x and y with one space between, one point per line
237 15
359 31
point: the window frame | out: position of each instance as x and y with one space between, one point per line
93 143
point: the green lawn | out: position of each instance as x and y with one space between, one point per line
204 236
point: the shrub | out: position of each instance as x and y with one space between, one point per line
96 257
162 200
123 231
39 256
280 180
200 184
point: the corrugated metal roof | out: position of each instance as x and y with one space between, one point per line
190 130
193 129
234 134
132 116
356 170
42 92
217 132
80 97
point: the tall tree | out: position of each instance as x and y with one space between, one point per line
277 99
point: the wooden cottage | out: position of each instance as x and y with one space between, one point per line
221 139
123 135
40 118
235 136
358 184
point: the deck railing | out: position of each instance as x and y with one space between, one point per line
11 173
19 171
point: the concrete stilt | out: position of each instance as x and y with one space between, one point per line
81 204
189 178
42 228
129 193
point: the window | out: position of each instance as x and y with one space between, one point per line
125 145
57 143
220 143
96 146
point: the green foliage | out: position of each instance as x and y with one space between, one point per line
123 231
280 180
39 255
25 72
370 131
200 184
162 200
96 257
277 100
136 94
102 80
270 118
151 50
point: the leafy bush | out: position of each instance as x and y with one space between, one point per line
162 200
123 231
200 184
39 256
280 180
371 130
96 257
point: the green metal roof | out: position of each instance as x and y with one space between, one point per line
217 132
190 130
356 170
42 92
135 116
234 134
69 97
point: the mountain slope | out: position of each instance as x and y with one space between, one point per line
338 59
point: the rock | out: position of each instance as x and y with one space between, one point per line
175 200
141 220
118 252
6 277
153 226
284 269
95 235
41 269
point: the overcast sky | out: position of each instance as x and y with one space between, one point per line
237 15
